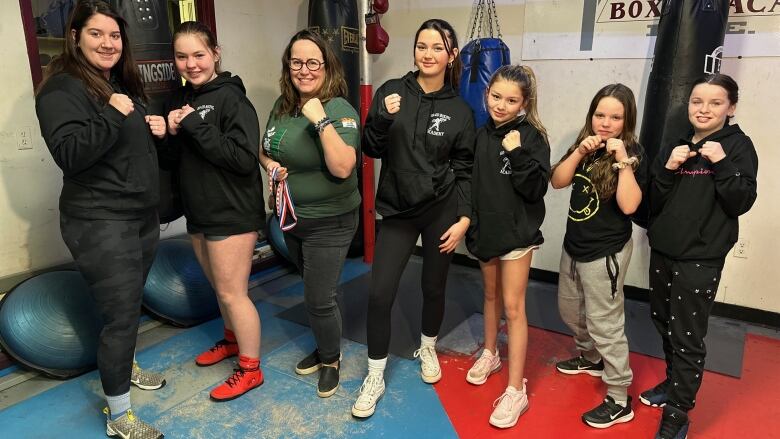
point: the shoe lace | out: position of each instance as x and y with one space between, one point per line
427 355
505 402
234 379
370 386
218 345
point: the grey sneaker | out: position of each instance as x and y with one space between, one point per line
128 426
145 379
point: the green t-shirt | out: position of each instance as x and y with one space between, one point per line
295 144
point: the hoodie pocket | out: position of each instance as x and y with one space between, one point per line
497 233
405 190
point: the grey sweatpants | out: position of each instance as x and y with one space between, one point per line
591 303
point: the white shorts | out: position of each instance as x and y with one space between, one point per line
517 253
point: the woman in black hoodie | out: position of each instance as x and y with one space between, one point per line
215 133
93 117
699 189
511 175
424 134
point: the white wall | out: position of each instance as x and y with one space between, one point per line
253 34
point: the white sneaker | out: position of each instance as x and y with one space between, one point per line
509 407
429 364
486 365
370 393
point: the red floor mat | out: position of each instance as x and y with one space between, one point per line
728 407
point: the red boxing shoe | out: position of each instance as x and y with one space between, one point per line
223 349
243 380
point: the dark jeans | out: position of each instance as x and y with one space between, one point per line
319 246
681 297
114 256
396 241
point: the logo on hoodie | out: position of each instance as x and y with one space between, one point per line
436 120
203 110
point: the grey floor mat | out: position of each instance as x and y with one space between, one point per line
725 340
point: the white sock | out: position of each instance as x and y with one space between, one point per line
118 405
621 403
427 341
377 366
511 390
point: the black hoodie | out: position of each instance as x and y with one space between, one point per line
694 210
507 190
427 148
217 147
108 160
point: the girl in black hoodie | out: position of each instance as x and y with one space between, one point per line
424 134
214 130
511 175
92 111
700 187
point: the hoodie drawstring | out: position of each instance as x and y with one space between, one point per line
613 274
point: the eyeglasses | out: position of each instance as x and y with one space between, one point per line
311 64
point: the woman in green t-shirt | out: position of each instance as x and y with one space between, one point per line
311 141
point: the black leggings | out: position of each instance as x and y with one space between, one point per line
396 241
114 256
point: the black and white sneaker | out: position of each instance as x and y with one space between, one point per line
329 380
608 413
310 364
655 397
578 365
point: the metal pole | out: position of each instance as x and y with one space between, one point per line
366 93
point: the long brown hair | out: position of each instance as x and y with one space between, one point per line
334 85
72 60
602 175
525 78
450 38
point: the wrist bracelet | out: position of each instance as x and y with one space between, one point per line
624 163
321 124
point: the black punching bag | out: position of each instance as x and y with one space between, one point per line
149 30
689 46
336 21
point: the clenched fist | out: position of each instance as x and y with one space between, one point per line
393 103
122 103
511 140
678 156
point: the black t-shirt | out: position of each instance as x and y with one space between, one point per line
596 227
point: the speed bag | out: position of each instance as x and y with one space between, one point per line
481 57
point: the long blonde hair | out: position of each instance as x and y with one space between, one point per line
602 175
525 78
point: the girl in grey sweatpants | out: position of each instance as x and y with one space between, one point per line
606 170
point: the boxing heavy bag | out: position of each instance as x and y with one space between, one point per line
481 57
688 46
148 29
336 21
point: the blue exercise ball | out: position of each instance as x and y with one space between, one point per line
50 323
177 289
275 236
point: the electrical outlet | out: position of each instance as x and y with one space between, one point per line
741 249
24 138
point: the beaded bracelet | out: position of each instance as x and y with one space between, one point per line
321 124
624 163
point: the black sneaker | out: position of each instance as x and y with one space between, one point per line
674 424
608 413
309 365
578 365
655 397
329 381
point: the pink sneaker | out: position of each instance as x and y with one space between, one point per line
486 365
509 407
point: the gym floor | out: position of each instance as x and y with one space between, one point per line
286 405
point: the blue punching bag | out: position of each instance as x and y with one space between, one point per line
481 57
49 323
689 46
